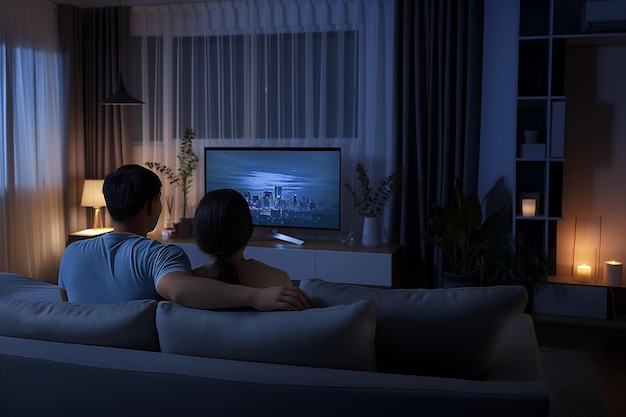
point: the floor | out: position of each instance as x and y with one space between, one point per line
607 344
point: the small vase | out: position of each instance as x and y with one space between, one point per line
371 232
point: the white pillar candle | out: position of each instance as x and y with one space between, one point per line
529 207
613 271
584 272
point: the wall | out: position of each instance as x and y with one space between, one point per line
594 181
497 137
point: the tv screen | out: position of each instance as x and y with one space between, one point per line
284 187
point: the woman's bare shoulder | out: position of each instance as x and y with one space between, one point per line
257 273
203 270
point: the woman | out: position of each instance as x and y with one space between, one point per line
222 228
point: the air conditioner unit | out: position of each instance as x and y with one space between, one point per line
603 16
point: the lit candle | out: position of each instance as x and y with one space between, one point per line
613 271
529 206
584 272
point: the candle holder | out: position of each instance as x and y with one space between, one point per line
613 272
587 234
528 204
529 207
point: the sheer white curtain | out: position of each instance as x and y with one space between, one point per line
287 73
31 146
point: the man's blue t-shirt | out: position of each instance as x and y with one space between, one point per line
118 267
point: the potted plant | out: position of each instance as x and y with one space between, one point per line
512 263
371 202
464 237
532 132
181 177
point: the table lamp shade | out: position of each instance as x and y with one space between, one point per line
94 197
92 194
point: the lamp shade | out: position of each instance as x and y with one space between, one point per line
121 97
92 194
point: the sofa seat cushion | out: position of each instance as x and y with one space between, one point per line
441 332
128 324
335 337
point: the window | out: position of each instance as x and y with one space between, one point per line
274 85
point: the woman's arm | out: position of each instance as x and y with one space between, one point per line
197 292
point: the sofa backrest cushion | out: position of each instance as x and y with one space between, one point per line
335 337
440 332
129 324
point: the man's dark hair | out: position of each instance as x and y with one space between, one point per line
222 226
127 189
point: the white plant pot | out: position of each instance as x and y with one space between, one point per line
531 136
371 232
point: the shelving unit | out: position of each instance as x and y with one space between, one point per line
540 107
546 29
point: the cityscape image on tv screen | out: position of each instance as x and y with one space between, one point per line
284 187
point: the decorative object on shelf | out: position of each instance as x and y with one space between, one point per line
372 202
531 146
587 237
529 207
531 136
168 227
169 206
350 239
528 204
613 272
182 177
462 234
533 150
120 97
371 232
94 197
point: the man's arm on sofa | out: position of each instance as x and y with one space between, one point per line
206 293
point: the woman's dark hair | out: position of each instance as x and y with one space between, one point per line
222 225
127 189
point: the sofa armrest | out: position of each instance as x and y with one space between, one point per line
21 287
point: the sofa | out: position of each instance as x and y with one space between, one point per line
360 351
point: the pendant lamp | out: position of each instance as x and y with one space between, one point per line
120 97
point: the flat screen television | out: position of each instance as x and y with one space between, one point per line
284 187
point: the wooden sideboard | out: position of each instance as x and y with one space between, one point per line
328 260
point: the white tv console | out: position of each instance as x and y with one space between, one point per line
328 260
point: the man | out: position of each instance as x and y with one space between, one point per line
126 265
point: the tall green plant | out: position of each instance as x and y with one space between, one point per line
462 233
183 176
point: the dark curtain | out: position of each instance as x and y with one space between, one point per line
98 137
71 44
438 96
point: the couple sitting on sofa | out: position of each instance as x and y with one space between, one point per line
126 265
365 351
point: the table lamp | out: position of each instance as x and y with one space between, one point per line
93 197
